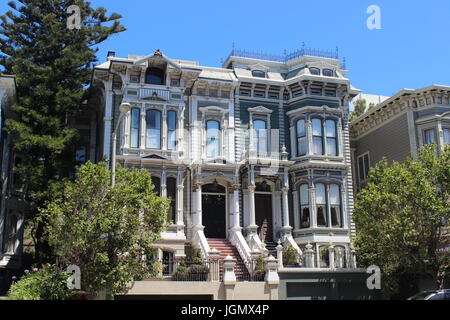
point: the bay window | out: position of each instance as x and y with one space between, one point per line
446 135
429 136
153 121
134 127
301 138
212 138
260 128
156 181
317 136
171 130
304 207
331 134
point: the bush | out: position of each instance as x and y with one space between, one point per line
48 283
289 256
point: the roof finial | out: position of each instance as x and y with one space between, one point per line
157 53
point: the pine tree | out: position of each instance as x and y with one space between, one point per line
52 65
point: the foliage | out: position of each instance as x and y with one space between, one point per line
260 269
399 218
102 229
360 108
52 65
289 256
192 268
48 283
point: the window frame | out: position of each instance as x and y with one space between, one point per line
315 68
365 170
263 74
147 128
173 199
325 70
304 206
335 137
219 129
316 137
134 128
148 74
324 205
424 133
172 132
257 136
299 138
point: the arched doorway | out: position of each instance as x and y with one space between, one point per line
214 209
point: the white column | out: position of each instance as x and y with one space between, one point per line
294 151
312 198
108 124
164 128
340 137
126 130
251 205
308 129
164 182
198 201
285 208
143 130
236 220
180 202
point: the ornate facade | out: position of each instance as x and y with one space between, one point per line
256 152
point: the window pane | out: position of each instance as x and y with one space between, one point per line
336 216
361 169
171 194
156 181
321 216
331 147
172 120
314 71
318 145
327 72
212 138
304 219
331 128
317 127
153 119
171 142
134 134
304 194
334 194
301 128
447 136
260 135
366 165
320 193
301 146
429 136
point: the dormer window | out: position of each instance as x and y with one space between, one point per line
258 74
328 73
315 71
155 76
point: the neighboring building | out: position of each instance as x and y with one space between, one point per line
371 99
250 154
398 127
11 202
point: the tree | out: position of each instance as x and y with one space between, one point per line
360 108
401 219
104 229
52 67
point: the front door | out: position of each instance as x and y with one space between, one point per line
263 216
213 215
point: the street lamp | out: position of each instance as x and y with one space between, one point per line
124 109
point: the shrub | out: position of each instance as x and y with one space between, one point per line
48 283
289 256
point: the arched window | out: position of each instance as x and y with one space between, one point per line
134 127
324 256
171 130
335 206
153 120
331 133
304 207
212 138
317 136
172 195
315 71
156 181
302 141
321 201
12 237
258 73
328 73
260 127
155 76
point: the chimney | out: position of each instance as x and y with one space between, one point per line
111 54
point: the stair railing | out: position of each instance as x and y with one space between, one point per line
199 241
238 240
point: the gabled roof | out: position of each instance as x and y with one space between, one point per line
159 56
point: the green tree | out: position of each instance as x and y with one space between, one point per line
360 108
401 219
104 229
52 67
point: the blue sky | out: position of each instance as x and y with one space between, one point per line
412 49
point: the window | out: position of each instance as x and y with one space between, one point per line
134 127
12 237
363 167
171 130
446 135
302 141
153 120
156 181
258 73
331 133
429 136
328 73
260 135
212 138
155 76
317 136
321 205
172 194
304 207
315 71
335 206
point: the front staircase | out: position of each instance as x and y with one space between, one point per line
225 248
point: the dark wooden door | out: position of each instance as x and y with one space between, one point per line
263 216
213 216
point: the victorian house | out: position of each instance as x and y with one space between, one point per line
251 154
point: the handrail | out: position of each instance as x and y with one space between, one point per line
238 240
289 241
200 241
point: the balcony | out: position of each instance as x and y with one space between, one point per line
147 94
